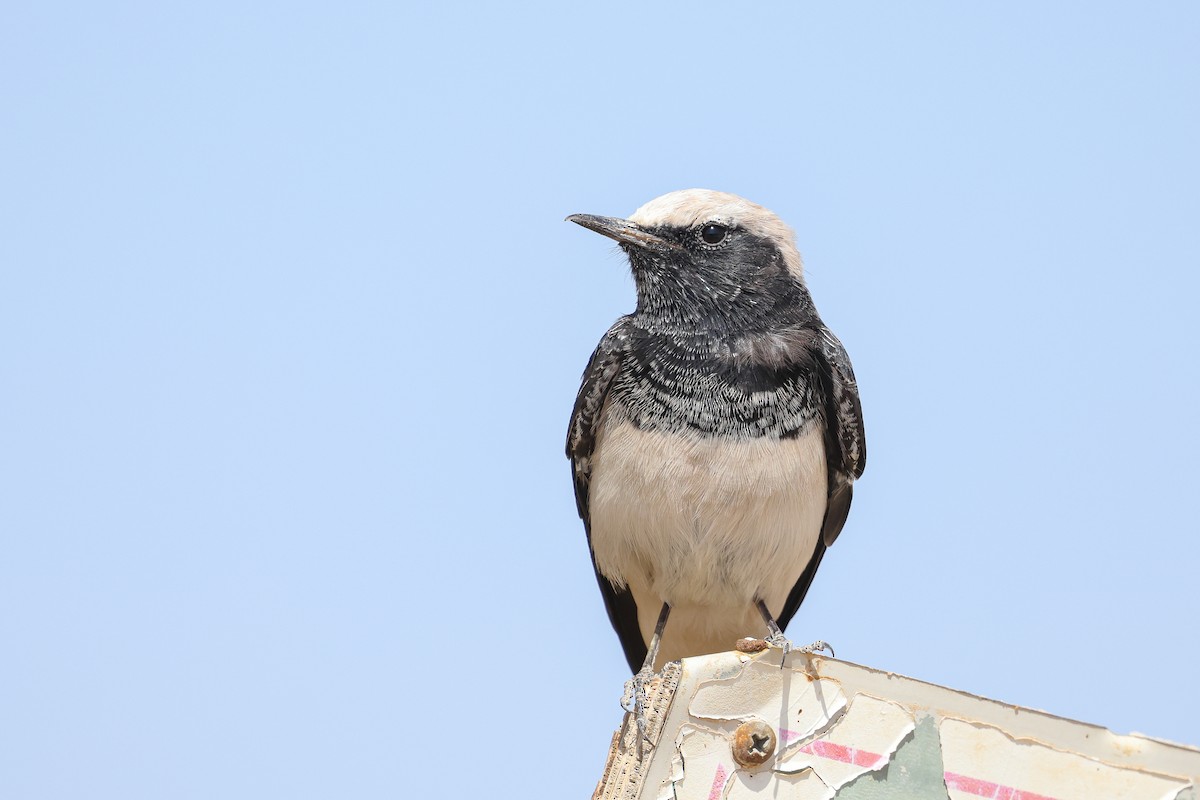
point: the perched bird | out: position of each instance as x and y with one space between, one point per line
717 433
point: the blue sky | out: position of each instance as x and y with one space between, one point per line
291 326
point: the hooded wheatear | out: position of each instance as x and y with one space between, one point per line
717 433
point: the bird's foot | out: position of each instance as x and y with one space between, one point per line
784 644
816 647
634 701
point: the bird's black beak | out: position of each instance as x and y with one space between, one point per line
623 231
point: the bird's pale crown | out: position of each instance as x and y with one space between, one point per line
687 208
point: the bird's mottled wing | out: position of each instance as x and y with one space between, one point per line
845 412
598 376
581 443
845 441
845 452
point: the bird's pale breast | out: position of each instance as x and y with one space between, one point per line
706 523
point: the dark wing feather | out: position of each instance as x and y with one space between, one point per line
581 442
845 453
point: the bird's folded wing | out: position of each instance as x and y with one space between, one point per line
845 442
846 410
845 453
598 377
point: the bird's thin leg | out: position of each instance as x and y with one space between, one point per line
777 639
634 698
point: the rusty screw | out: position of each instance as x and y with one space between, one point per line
753 743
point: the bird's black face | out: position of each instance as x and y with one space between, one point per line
714 274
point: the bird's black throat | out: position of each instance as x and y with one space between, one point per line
712 384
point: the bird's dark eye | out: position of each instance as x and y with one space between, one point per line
712 233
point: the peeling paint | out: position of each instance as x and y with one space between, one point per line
863 739
700 767
793 703
848 732
913 773
800 786
984 761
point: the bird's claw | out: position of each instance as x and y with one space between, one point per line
784 644
818 646
633 700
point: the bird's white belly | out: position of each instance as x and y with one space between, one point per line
706 524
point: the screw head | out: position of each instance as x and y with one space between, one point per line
753 743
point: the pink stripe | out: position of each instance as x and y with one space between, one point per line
981 788
837 752
865 758
718 783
